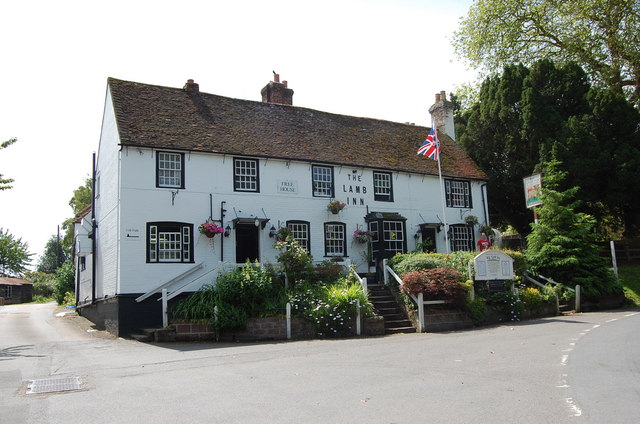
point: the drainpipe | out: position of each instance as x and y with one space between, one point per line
94 226
222 211
484 205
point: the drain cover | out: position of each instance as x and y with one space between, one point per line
53 385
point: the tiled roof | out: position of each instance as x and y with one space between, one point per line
170 118
10 281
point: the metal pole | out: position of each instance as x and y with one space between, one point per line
384 270
578 298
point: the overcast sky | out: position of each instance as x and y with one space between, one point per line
381 59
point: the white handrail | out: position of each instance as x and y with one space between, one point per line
170 282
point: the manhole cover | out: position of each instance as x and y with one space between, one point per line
53 385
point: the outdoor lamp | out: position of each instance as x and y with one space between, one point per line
227 231
272 231
257 222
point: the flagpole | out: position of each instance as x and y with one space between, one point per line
442 197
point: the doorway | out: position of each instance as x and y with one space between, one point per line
247 243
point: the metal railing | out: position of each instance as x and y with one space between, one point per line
577 289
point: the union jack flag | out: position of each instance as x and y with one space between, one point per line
431 146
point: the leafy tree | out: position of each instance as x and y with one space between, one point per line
601 35
14 255
53 256
562 245
65 279
80 200
5 182
526 114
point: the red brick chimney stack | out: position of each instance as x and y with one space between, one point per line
191 87
277 92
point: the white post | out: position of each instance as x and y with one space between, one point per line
578 298
365 289
420 312
472 292
613 258
386 274
165 317
358 324
288 321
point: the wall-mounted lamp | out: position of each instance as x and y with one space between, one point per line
227 230
256 222
416 235
272 231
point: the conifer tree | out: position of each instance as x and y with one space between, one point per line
562 245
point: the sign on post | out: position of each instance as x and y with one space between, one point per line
493 265
533 190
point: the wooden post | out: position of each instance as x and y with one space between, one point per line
613 258
420 312
358 324
165 317
288 321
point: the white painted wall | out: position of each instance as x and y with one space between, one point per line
107 204
141 202
83 277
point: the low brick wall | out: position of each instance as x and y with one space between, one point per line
264 329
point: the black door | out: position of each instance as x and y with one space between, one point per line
246 243
428 239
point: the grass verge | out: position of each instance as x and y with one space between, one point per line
630 279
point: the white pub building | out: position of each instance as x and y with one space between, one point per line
171 159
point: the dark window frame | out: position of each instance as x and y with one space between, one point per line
344 240
313 182
308 239
383 197
153 247
454 243
237 183
182 170
468 198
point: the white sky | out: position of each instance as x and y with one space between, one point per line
381 59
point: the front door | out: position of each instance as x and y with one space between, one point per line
247 243
428 239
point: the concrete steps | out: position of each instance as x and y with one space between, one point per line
385 304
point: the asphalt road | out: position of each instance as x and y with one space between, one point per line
583 368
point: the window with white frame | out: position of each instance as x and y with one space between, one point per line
169 242
382 186
458 193
461 237
300 232
169 170
393 236
245 175
335 242
322 181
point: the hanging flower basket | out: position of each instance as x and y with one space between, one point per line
361 236
210 229
471 220
336 206
283 234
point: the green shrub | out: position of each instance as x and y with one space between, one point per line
435 284
296 260
477 309
329 271
43 283
531 297
330 308
199 306
65 282
459 260
507 303
419 261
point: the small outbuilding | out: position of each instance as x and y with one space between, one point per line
15 290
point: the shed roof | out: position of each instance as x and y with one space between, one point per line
10 281
171 118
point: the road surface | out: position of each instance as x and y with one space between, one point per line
576 369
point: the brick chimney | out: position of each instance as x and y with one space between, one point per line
277 92
191 87
442 115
